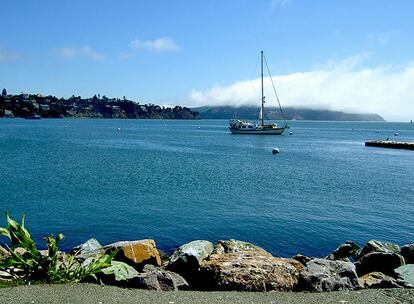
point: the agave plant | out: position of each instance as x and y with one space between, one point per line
27 258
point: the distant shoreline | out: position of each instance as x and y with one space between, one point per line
289 113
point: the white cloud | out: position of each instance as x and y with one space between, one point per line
8 56
163 44
85 51
343 86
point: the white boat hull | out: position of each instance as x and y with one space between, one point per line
275 131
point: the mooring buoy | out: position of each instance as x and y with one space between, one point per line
275 150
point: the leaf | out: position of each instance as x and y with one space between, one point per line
121 271
5 232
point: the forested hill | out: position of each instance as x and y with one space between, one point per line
227 112
27 105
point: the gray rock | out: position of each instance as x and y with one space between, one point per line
378 280
407 252
406 275
187 258
345 251
249 271
327 275
377 246
88 249
231 246
384 262
159 280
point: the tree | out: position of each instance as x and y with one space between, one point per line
4 92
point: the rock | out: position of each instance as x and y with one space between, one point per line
377 246
377 280
327 275
136 253
88 249
384 262
303 259
187 258
4 253
231 246
344 251
249 271
161 280
406 275
407 252
5 276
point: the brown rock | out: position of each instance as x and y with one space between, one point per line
137 253
377 280
250 271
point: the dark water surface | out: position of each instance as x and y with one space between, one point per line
177 181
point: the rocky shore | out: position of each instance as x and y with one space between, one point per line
232 265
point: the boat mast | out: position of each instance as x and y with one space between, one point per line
261 57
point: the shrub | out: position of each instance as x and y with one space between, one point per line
26 260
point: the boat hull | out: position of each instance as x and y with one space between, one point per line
275 131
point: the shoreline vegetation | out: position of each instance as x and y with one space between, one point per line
29 105
227 265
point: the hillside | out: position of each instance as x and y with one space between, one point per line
247 112
26 105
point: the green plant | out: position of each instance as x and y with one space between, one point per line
26 259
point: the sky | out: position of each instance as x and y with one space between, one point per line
354 56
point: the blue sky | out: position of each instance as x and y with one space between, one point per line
200 52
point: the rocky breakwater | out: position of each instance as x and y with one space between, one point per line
241 266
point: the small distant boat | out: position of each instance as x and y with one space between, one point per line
34 117
238 126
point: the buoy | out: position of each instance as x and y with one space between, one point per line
396 134
66 126
275 150
119 129
198 127
290 133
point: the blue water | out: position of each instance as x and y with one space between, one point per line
176 181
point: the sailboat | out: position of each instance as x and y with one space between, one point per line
238 126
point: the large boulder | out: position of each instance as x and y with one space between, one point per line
377 246
407 252
344 251
328 275
377 280
384 262
232 246
249 271
136 253
406 275
88 249
187 258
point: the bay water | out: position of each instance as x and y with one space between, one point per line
177 181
